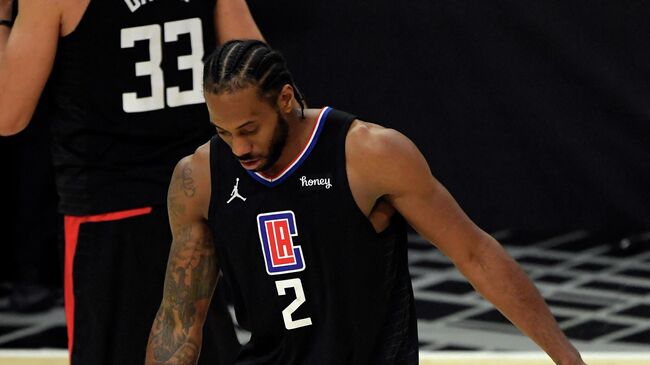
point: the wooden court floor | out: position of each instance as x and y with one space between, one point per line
58 357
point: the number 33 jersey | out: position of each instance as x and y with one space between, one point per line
310 277
127 88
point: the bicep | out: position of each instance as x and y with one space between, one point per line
27 61
428 206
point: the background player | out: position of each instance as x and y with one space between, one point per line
126 78
339 293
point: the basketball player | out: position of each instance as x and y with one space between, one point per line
126 78
304 211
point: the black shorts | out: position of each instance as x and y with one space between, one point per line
114 273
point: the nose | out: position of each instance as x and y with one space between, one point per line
241 146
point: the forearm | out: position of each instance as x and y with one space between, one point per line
172 344
175 336
233 20
502 281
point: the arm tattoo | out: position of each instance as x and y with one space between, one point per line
191 277
181 187
174 208
189 189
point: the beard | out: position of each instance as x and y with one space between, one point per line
278 141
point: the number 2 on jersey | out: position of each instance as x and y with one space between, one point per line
296 284
153 33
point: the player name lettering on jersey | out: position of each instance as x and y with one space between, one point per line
277 230
325 182
136 4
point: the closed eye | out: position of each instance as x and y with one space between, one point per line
248 132
223 133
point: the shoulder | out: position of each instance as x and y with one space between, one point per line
191 179
199 160
382 158
374 143
201 155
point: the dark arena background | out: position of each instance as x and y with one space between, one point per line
534 114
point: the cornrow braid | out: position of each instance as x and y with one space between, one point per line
238 64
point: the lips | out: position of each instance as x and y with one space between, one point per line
249 164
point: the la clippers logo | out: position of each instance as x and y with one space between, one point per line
276 231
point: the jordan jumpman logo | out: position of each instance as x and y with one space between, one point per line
235 193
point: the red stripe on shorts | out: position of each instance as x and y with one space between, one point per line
71 227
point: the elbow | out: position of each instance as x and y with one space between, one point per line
11 126
482 258
7 132
16 110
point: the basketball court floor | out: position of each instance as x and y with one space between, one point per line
598 289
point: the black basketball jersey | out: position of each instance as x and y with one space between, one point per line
127 85
310 277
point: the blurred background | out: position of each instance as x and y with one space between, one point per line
535 115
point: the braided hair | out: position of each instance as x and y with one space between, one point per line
238 64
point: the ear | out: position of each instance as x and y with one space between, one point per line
285 99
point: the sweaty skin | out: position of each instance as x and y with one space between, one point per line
386 172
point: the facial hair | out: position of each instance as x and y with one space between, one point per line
278 142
